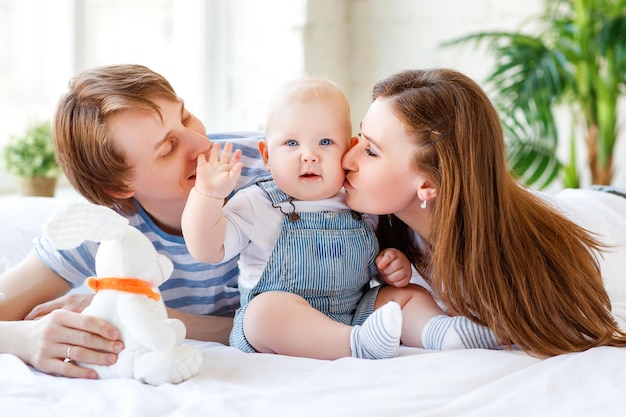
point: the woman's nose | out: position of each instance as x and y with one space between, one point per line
348 162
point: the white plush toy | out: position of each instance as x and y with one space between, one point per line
129 271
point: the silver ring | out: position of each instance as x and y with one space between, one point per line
68 351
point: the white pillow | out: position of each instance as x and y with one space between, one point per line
21 219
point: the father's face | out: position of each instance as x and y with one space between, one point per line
163 151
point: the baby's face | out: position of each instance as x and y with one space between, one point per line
305 144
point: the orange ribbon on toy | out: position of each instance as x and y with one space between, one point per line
133 285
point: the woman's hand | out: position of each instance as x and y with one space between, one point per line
49 342
71 302
394 267
58 333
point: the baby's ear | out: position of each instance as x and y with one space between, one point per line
263 150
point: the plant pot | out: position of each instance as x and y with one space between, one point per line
37 186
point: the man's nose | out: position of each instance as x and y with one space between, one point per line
195 142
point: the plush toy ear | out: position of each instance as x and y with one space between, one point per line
166 265
78 222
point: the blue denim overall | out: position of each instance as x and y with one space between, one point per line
326 257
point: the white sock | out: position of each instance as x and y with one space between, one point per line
379 335
445 333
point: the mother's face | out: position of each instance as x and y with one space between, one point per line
380 179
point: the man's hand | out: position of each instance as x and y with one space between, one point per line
71 302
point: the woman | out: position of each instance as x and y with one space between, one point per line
529 266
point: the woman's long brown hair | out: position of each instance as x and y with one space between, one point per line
497 254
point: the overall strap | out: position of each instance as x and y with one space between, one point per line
268 185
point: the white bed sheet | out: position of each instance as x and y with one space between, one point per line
417 383
232 383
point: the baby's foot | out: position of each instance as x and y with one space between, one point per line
379 335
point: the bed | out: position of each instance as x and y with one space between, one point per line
232 383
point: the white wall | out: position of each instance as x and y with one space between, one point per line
265 49
388 36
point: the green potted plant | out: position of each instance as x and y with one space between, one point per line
574 58
32 159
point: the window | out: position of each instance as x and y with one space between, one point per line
219 55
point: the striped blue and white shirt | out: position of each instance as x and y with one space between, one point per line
193 287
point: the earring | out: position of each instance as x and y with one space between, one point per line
423 205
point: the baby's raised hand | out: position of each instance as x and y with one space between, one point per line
217 174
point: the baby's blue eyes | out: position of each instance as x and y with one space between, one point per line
323 142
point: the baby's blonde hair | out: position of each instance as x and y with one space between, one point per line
305 90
